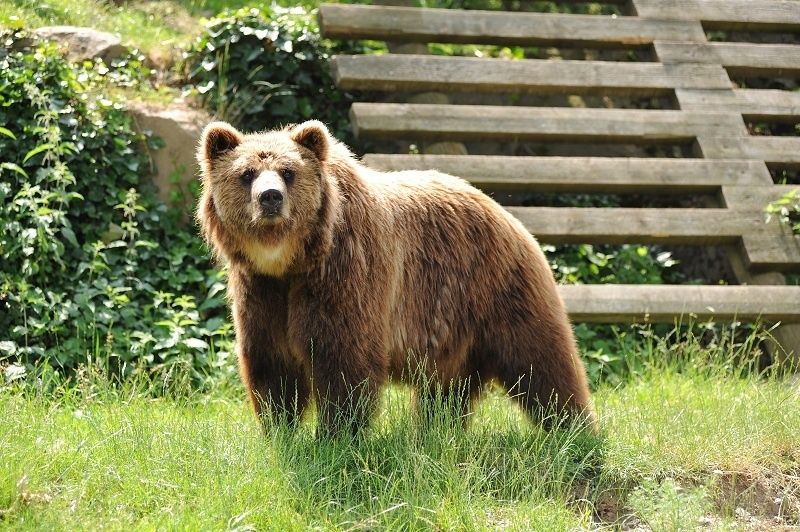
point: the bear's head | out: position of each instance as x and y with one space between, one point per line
266 196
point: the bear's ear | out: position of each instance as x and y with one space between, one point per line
217 138
314 136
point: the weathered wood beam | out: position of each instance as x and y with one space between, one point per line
386 120
441 73
583 174
668 303
492 27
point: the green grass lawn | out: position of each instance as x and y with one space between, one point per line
677 449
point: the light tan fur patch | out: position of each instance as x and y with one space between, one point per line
269 260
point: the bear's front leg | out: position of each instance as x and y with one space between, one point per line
279 385
347 373
277 389
346 384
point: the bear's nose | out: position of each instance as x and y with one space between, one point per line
271 200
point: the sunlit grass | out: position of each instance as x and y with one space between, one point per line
155 27
118 457
158 27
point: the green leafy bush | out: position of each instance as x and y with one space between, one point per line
608 350
626 264
265 68
91 265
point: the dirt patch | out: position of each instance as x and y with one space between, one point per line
752 498
767 500
610 510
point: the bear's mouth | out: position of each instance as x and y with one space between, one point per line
270 233
270 226
269 217
271 214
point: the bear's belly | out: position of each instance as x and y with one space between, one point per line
427 357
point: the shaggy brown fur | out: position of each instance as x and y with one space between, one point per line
364 274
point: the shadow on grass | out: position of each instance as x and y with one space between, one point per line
438 473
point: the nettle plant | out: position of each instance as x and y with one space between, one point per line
265 68
92 267
787 210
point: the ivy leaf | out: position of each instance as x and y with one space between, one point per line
8 347
215 289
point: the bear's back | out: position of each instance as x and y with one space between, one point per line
455 259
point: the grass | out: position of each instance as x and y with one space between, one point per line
157 27
682 444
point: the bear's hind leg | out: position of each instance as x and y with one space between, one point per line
551 387
344 407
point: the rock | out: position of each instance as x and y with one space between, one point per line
179 126
445 148
437 98
409 48
84 43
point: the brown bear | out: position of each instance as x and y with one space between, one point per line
343 277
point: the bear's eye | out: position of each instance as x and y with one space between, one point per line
288 175
247 177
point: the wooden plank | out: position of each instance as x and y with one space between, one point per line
772 253
726 14
754 197
583 174
484 122
496 27
777 248
560 225
777 151
666 303
439 73
756 104
741 59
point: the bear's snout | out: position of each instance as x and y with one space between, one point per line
269 192
271 201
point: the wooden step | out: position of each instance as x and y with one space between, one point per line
777 151
726 14
598 225
756 104
767 245
440 73
754 197
686 303
492 27
584 174
740 59
479 122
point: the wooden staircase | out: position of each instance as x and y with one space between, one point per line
710 114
